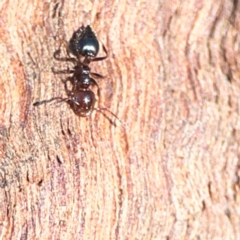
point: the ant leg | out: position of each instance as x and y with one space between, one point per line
65 43
65 71
96 84
56 56
97 75
69 92
91 130
101 109
57 98
93 82
50 100
101 58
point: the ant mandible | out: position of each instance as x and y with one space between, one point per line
84 46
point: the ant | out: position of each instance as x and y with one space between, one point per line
81 99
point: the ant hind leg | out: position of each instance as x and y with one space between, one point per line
92 131
102 109
50 100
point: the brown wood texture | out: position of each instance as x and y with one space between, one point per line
173 78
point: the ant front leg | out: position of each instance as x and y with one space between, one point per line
101 58
63 59
65 71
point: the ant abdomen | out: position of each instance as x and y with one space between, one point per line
82 102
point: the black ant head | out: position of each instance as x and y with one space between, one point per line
84 42
82 102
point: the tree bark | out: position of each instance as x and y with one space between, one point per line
172 77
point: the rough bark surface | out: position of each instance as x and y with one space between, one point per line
173 78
